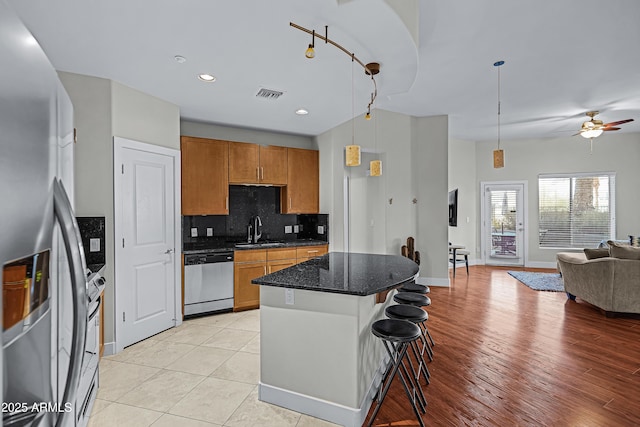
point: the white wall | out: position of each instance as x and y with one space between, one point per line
414 153
525 159
429 155
229 133
104 109
142 117
462 175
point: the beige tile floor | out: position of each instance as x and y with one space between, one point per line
203 373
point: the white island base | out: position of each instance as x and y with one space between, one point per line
317 353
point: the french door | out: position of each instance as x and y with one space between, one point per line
503 236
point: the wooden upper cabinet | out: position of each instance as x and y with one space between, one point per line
273 165
302 193
205 176
257 164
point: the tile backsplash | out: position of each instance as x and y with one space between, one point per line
92 232
245 202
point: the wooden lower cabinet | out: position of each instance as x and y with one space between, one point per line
247 266
305 253
280 258
101 352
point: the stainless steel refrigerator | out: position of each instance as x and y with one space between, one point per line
41 254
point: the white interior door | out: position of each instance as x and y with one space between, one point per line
145 227
503 223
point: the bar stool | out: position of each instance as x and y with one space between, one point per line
418 300
397 335
418 316
414 287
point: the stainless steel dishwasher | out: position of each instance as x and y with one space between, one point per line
208 282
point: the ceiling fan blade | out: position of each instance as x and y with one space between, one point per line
607 129
617 123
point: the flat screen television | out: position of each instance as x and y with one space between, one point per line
453 208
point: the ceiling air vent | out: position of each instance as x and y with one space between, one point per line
269 94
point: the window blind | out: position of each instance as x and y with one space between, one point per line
576 210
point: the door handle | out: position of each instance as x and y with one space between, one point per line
168 252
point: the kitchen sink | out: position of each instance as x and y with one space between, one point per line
259 245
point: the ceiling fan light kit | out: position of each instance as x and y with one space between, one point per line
594 128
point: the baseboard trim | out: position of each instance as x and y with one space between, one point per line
540 264
433 281
320 408
109 348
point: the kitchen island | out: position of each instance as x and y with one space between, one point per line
317 353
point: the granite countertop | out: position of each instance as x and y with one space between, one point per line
345 273
214 247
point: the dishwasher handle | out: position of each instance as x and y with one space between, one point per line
212 258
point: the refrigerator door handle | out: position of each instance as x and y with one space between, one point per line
77 264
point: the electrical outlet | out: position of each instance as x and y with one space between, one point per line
321 229
296 228
194 232
288 296
288 229
94 245
209 232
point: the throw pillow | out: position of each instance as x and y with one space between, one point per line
596 253
623 251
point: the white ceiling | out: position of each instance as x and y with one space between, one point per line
562 59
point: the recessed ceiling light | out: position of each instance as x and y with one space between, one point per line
301 112
180 59
206 78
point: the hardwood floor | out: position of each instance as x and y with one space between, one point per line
507 355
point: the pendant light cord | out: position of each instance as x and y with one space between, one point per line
499 106
353 108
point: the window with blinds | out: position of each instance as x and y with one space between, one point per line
576 210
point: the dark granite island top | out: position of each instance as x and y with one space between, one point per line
345 273
317 353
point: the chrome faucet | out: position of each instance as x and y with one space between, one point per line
257 228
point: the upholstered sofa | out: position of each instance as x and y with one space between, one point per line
609 282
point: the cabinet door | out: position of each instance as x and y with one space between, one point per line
273 165
302 193
205 172
247 295
305 253
273 266
244 161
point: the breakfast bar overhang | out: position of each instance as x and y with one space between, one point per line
317 353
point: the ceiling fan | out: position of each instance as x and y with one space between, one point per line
593 128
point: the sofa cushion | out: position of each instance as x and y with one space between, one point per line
596 253
623 251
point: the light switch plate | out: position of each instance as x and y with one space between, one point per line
289 299
94 245
194 232
321 229
288 229
296 228
209 231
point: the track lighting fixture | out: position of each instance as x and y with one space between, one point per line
370 69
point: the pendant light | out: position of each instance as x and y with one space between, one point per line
352 153
375 166
498 155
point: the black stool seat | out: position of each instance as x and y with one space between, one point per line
395 330
407 312
414 287
412 298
